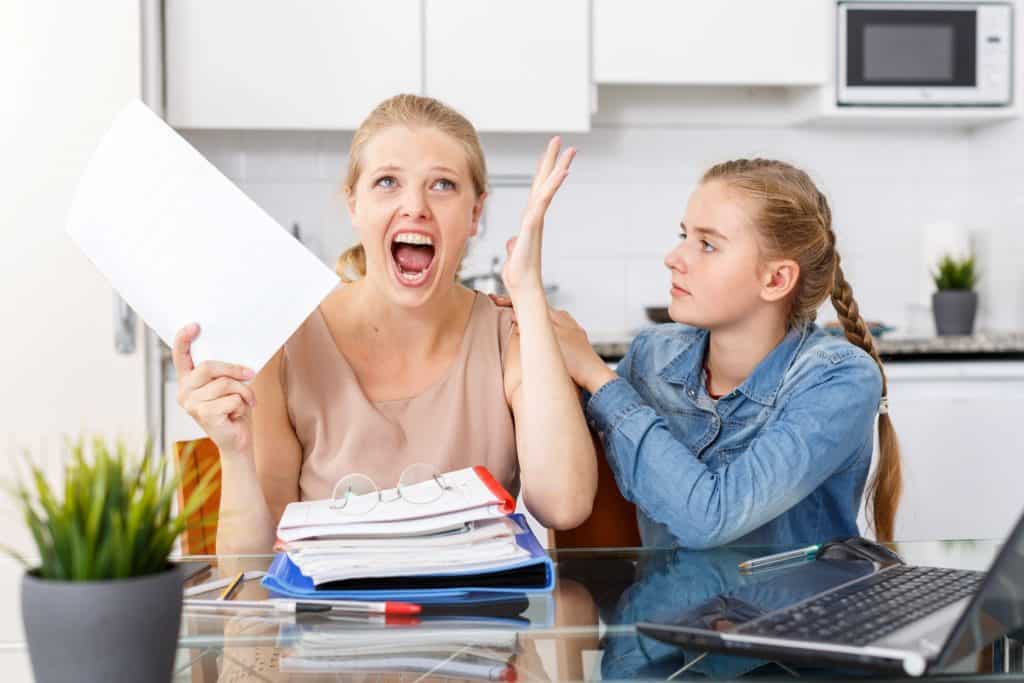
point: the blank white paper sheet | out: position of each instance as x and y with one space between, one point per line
181 243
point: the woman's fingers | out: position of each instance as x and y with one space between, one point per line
542 195
523 256
557 176
566 161
181 351
501 301
550 166
550 157
219 411
546 163
563 320
224 386
210 370
551 173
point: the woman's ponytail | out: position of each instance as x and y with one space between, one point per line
351 265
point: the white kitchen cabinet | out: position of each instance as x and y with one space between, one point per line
724 42
308 64
962 457
511 66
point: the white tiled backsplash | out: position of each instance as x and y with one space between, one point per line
618 213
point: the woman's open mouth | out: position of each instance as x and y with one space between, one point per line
412 254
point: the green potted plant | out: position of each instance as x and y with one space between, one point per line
104 601
955 303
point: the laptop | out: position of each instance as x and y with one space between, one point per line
887 616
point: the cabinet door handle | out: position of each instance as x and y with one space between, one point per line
124 326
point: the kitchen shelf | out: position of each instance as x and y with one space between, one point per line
939 117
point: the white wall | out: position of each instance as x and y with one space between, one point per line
997 204
619 210
65 69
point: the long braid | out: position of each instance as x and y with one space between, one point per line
886 485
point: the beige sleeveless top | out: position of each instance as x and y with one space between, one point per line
460 421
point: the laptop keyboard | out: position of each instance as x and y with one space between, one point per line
870 608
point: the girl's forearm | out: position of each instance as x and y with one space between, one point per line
556 449
245 524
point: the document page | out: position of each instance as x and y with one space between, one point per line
181 243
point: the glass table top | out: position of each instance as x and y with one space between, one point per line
584 630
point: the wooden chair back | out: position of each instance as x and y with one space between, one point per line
194 459
612 524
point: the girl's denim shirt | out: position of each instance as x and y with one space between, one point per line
781 459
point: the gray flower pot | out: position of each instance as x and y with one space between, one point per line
954 311
119 630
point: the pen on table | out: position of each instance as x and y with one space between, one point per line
799 553
271 616
297 606
231 587
206 587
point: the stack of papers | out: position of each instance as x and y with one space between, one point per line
473 494
467 544
480 545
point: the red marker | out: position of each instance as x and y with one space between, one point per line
369 607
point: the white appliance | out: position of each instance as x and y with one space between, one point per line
925 54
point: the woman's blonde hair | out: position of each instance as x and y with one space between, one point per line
794 222
408 110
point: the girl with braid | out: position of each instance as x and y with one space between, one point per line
744 421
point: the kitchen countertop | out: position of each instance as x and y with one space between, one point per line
980 346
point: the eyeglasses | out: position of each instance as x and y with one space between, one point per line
358 494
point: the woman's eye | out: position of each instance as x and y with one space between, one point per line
443 184
682 234
707 246
387 182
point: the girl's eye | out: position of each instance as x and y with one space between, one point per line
707 246
682 234
443 184
387 182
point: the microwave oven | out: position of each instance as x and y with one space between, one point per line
924 54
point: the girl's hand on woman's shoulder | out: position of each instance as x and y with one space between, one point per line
581 361
584 365
214 395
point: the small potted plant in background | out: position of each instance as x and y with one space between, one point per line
955 303
104 602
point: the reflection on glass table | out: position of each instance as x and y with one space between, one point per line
585 630
859 607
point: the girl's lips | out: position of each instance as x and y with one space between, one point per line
679 291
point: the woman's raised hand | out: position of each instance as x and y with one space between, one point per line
522 266
214 395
